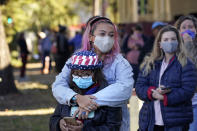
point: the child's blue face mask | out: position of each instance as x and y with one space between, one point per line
83 82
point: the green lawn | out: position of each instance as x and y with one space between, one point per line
24 123
30 110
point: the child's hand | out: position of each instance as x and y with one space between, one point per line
82 113
76 128
67 127
63 125
86 102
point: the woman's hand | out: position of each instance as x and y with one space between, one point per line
187 38
157 95
162 90
63 125
86 102
82 113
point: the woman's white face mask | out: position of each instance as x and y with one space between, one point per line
104 43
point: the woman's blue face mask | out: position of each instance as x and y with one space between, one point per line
190 33
169 47
83 82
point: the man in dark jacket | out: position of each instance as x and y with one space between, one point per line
24 53
63 48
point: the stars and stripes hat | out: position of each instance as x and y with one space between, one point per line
85 60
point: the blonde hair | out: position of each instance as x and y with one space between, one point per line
183 18
158 54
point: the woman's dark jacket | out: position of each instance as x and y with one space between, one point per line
176 108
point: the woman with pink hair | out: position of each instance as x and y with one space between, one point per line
101 36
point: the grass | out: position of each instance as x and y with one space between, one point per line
24 123
31 109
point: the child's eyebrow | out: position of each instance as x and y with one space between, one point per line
86 72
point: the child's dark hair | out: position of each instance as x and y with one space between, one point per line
98 77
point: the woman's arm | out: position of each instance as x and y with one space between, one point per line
60 88
63 93
120 91
115 94
142 88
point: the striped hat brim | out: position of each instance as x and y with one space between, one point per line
84 67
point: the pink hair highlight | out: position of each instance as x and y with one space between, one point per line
85 39
109 58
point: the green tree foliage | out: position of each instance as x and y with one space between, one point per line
35 14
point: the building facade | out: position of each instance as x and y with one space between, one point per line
130 11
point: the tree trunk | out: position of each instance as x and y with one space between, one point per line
7 84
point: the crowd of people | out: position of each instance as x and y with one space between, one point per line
58 45
98 80
97 76
51 45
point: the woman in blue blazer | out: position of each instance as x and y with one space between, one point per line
166 84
